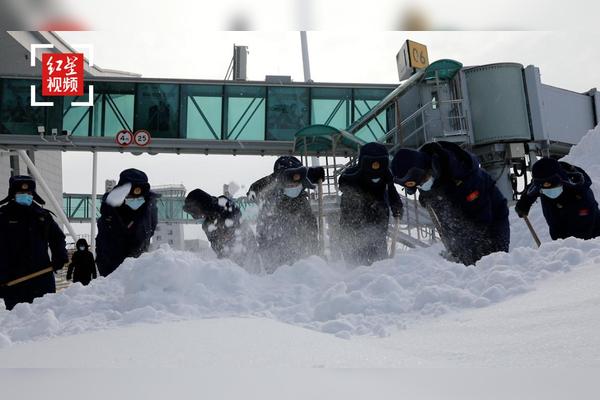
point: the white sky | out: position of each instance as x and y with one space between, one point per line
567 59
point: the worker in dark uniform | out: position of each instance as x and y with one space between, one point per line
26 232
469 211
222 223
82 267
568 202
128 219
368 194
286 226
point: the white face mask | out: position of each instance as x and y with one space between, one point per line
552 193
293 192
375 180
82 248
426 186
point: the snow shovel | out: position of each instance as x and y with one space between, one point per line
438 227
26 277
321 219
532 231
395 236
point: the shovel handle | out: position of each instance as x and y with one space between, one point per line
27 277
532 231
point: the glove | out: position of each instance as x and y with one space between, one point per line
397 210
410 191
56 268
316 174
520 212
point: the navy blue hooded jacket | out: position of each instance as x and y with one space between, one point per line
367 196
82 267
286 228
123 232
469 210
573 213
26 232
229 237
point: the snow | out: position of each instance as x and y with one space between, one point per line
530 307
533 330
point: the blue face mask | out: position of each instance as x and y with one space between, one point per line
426 186
24 199
134 202
82 248
293 192
553 193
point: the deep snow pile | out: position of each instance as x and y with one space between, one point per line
168 285
172 285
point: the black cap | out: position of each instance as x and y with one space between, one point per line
547 172
199 203
138 180
373 159
410 165
286 162
295 176
22 183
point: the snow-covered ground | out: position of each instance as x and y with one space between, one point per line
530 307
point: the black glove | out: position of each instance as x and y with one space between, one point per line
410 191
316 174
397 210
520 211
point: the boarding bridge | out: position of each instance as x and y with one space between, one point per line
502 112
183 116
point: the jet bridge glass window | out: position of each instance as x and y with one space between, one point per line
113 108
157 109
203 111
364 101
245 107
17 116
331 106
287 112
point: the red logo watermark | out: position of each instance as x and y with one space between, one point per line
62 74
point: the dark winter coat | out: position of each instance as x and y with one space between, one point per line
26 233
123 232
286 230
574 213
229 237
364 215
470 211
82 267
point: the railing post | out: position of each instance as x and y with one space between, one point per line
94 195
417 217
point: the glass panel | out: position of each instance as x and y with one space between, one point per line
364 101
113 111
245 112
287 112
157 109
331 106
77 119
17 116
203 111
